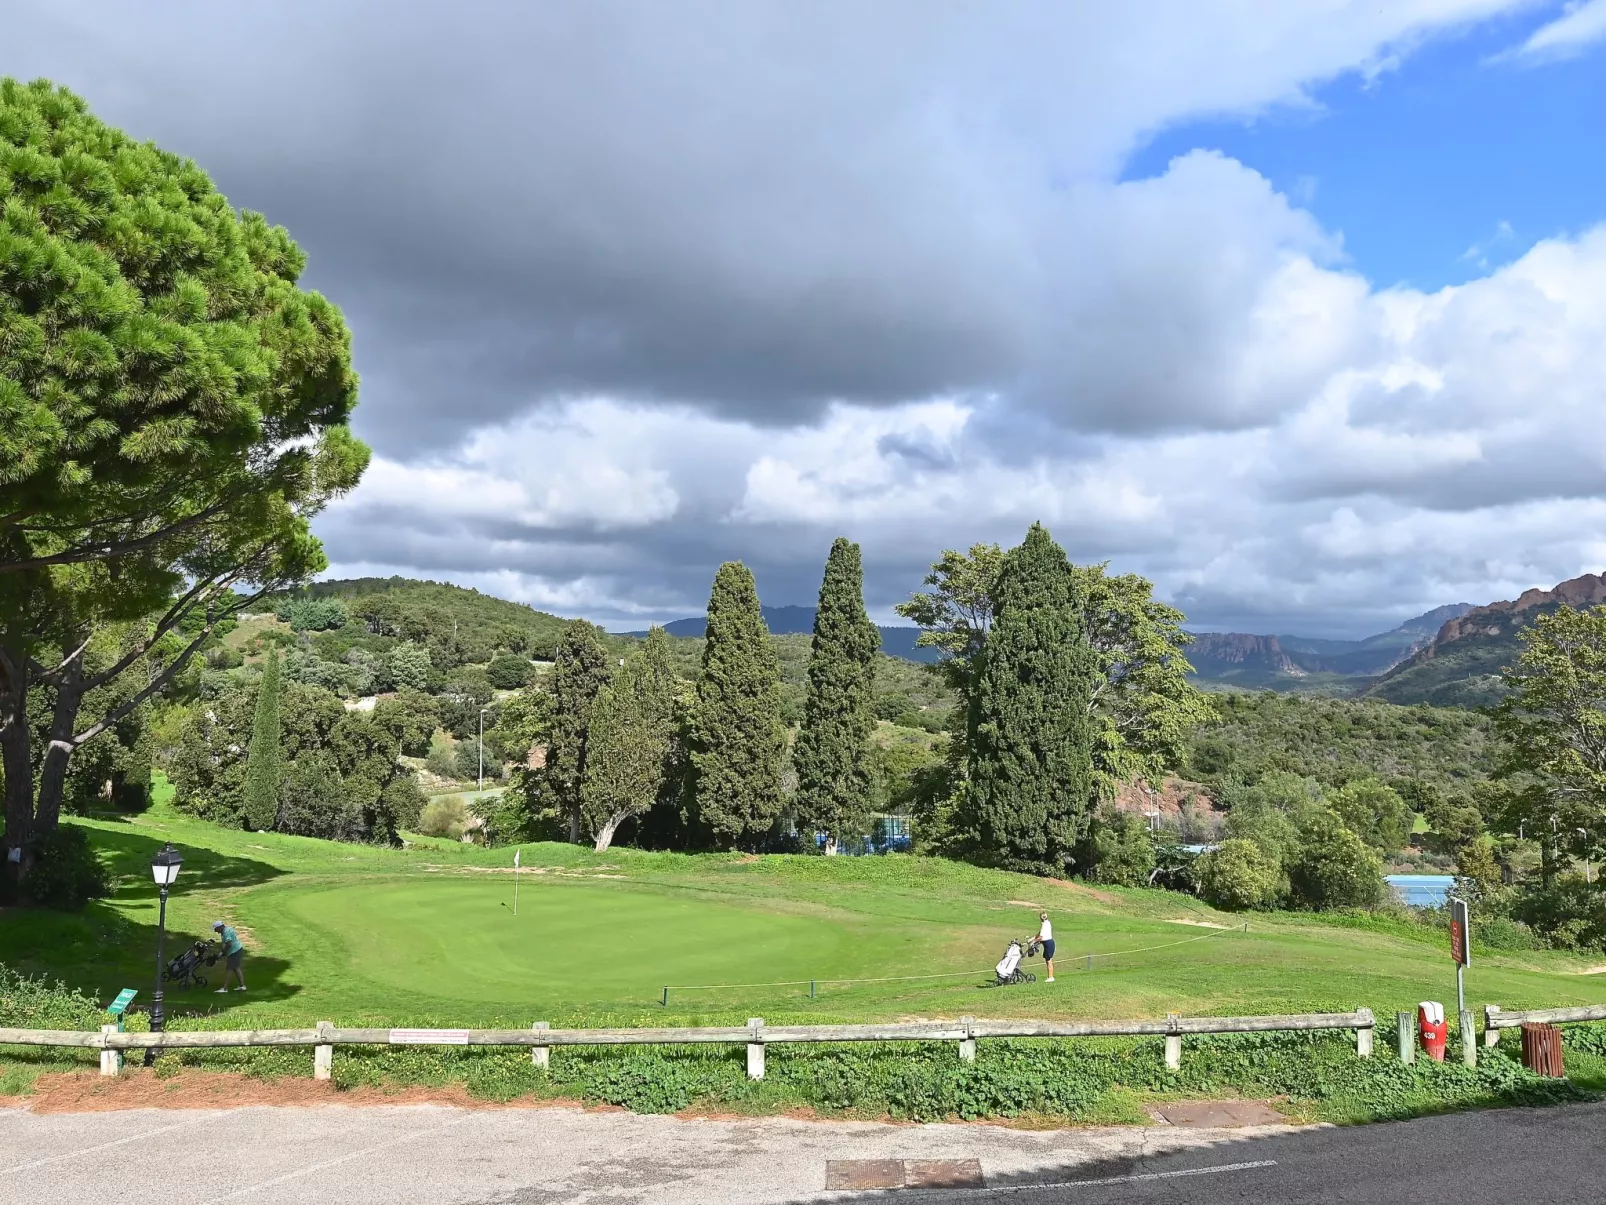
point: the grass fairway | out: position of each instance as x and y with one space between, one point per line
427 935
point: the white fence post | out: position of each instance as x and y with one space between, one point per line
755 1048
1364 1033
1405 1023
1469 1039
1173 1043
323 1054
1491 1035
111 1061
967 1044
541 1056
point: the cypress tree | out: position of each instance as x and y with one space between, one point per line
632 743
832 755
738 740
579 674
264 767
1030 726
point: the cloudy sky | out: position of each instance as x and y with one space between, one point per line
1296 306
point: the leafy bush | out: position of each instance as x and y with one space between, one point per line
891 706
442 758
509 672
1120 849
445 816
1237 875
27 1003
66 872
313 614
1333 868
1374 812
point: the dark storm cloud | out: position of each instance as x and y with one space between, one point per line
764 232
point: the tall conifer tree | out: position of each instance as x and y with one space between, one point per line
579 673
738 740
832 756
632 740
1031 733
264 768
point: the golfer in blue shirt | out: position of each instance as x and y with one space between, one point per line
233 955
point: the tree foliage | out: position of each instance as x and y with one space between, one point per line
1332 867
1554 724
1237 875
633 741
835 775
1031 766
173 409
580 673
738 743
263 769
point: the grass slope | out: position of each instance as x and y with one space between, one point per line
428 934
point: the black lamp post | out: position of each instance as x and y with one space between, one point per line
164 869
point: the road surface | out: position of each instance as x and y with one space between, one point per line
393 1155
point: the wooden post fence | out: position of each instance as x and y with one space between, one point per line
540 1038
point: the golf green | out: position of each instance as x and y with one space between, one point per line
579 941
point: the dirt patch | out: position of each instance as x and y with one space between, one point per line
1218 1114
1104 897
1201 924
1023 903
89 1092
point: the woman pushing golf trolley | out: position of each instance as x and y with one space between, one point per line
1008 969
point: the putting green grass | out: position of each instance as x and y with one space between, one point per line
427 935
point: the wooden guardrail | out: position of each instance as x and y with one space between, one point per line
756 1035
1495 1019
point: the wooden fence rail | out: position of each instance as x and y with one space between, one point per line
1494 1019
755 1035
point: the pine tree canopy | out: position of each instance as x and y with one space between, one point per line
738 740
1031 763
833 753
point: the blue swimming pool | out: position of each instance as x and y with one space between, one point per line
1421 890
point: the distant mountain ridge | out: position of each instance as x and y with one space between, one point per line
1461 666
795 620
1291 662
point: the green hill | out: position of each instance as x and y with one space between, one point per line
1461 668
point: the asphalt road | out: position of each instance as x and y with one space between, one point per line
1502 1157
398 1155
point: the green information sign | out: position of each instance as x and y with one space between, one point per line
124 999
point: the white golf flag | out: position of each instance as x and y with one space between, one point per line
515 859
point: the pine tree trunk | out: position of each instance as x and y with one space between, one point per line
53 772
605 835
16 756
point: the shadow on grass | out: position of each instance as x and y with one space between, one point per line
101 950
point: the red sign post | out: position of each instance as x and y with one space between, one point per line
1460 948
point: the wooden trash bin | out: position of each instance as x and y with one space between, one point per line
1541 1050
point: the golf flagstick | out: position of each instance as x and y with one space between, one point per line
515 882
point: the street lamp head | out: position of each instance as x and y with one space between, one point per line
164 866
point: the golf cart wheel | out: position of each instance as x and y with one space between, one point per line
1030 978
200 981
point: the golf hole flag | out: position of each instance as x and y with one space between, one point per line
515 859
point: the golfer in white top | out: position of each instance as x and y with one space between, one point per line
1045 934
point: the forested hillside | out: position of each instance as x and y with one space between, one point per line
1337 740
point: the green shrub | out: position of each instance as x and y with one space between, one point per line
1237 875
27 1003
66 872
445 816
442 758
1334 868
509 672
1120 849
